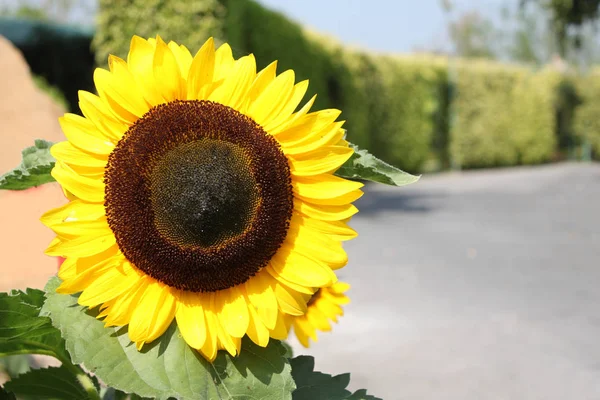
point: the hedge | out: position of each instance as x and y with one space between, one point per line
188 22
504 115
399 107
587 115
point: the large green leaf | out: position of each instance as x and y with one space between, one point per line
5 395
34 169
365 166
47 383
168 367
312 385
23 331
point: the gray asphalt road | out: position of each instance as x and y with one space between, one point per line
480 285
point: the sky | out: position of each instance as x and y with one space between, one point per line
380 25
384 25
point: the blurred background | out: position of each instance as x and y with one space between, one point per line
478 282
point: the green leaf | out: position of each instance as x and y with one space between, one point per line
114 394
312 385
289 352
167 367
363 165
47 383
23 330
34 169
4 395
362 395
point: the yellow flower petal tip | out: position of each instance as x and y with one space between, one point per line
324 307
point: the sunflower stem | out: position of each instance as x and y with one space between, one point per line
88 385
83 378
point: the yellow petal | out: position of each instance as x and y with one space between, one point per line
257 331
76 210
306 328
120 310
290 301
339 287
223 61
183 58
85 272
201 70
310 127
83 246
317 246
139 60
289 284
337 230
121 92
323 160
281 329
167 76
84 135
325 212
289 107
317 319
153 314
313 140
109 285
82 187
209 348
67 153
323 187
262 80
295 119
273 99
190 318
262 297
300 269
97 227
233 90
98 112
227 342
233 313
341 200
67 269
301 334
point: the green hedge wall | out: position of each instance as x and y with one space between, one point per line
587 115
186 22
504 115
398 107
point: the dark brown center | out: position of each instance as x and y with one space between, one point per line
198 195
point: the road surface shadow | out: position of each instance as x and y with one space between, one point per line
376 201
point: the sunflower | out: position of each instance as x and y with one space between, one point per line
323 306
200 191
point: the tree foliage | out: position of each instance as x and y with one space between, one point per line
567 14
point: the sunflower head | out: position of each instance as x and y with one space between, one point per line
325 305
203 191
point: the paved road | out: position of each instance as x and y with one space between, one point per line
475 286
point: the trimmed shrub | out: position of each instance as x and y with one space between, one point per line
587 115
409 101
189 22
504 115
533 112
